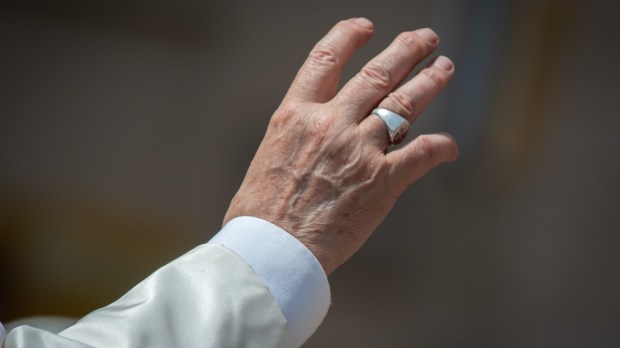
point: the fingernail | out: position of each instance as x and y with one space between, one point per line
443 63
428 35
363 22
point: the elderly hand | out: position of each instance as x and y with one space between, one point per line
323 172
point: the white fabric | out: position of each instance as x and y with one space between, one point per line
240 290
51 323
292 273
210 297
2 332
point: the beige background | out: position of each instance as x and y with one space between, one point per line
126 127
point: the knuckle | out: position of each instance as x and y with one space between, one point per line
376 75
283 115
323 54
412 41
319 127
438 79
401 103
425 149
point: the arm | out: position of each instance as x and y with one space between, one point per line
323 174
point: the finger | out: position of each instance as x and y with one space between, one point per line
386 71
422 154
410 99
318 78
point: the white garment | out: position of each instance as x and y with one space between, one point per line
292 273
237 291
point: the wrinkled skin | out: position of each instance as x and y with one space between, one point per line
323 172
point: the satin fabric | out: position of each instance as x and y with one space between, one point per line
209 297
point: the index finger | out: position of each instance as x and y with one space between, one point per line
318 78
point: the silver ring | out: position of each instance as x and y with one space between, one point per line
397 126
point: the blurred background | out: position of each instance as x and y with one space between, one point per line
127 126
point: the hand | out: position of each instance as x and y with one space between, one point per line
323 172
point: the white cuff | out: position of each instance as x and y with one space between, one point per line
292 273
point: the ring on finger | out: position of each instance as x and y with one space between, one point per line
397 126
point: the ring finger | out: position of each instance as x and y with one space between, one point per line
410 99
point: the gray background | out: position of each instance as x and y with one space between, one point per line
127 126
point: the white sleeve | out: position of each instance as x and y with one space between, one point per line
290 271
252 285
209 297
